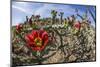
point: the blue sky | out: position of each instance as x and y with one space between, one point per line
22 9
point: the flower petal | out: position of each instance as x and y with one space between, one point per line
34 33
45 36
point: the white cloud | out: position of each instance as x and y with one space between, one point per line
43 10
21 9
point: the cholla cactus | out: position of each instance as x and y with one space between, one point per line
39 41
61 17
54 14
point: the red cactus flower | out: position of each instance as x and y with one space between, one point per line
18 27
77 25
37 40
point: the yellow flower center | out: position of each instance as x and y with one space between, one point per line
38 41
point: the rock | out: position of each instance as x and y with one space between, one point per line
72 58
57 58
